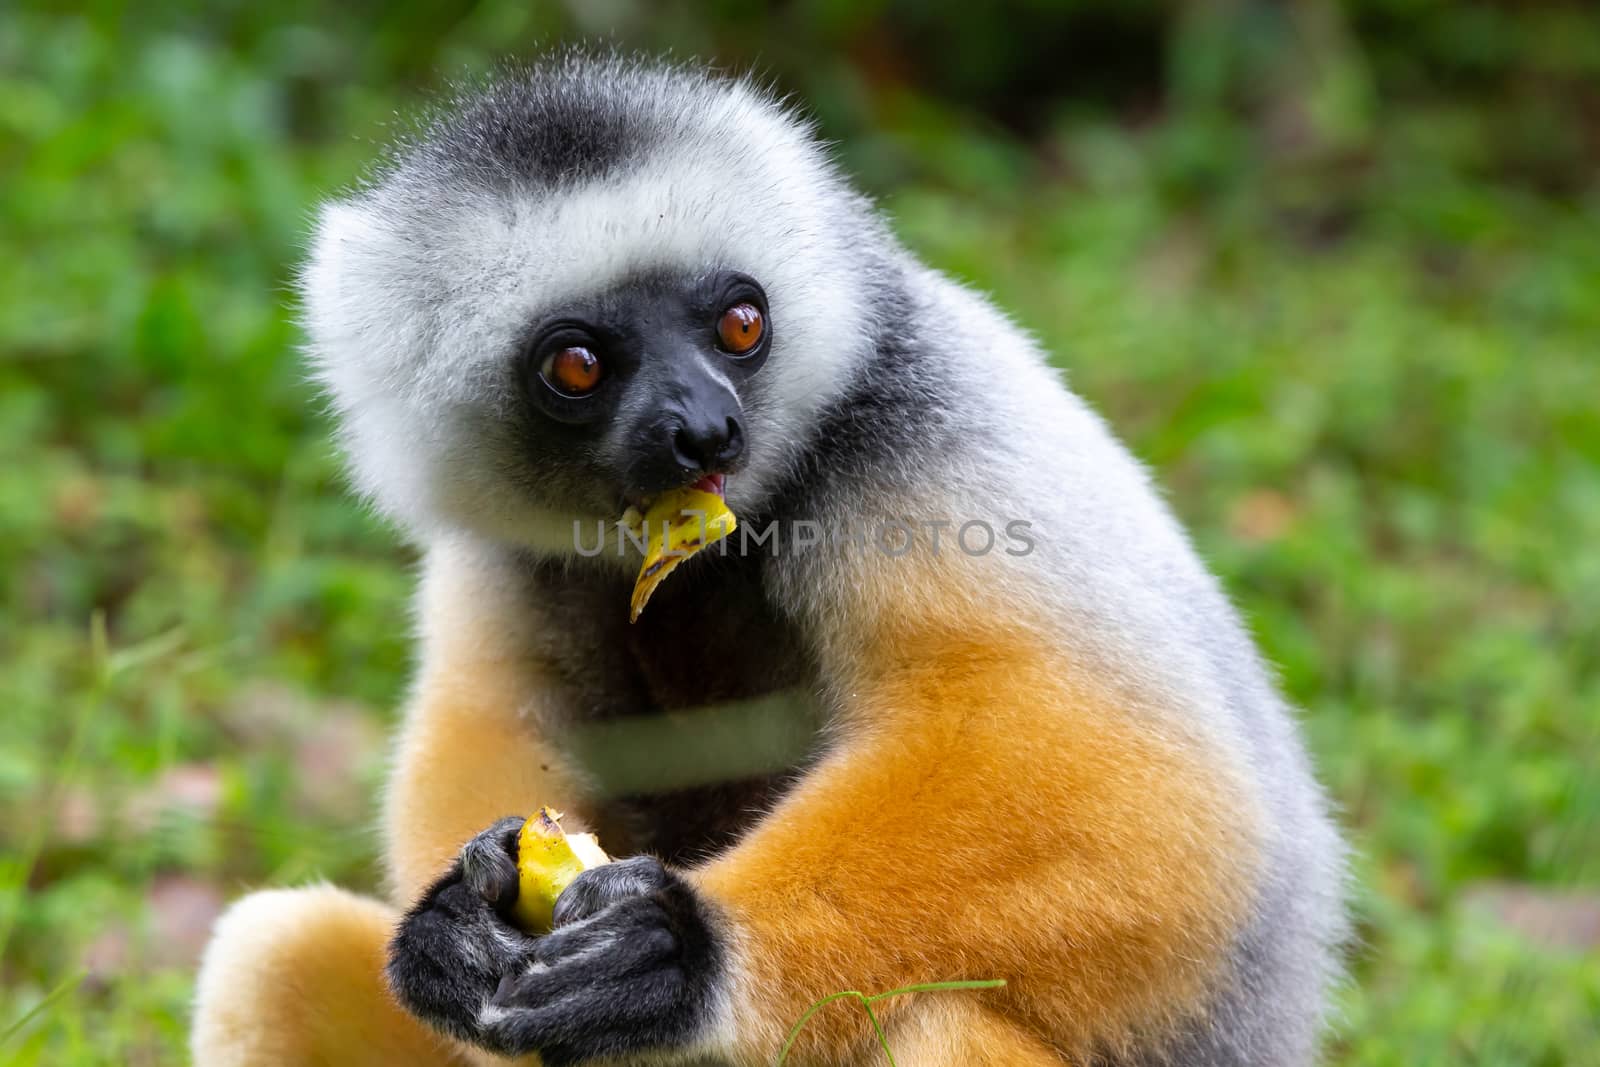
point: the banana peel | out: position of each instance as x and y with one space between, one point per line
548 859
678 523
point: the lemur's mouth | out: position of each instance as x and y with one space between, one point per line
712 483
715 484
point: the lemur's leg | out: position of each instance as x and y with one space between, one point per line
294 978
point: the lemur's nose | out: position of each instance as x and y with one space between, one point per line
706 445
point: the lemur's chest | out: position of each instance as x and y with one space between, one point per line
695 719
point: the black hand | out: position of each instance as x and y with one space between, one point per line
632 965
454 946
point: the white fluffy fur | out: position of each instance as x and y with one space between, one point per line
414 314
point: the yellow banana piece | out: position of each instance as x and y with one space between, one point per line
548 859
678 523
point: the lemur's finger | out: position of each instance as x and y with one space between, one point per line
638 975
607 1003
598 887
449 954
636 921
489 864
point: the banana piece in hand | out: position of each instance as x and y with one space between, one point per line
548 859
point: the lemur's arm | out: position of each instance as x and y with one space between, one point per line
995 815
470 751
991 810
468 757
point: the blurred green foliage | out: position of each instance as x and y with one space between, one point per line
1332 269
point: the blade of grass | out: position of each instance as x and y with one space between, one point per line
14 876
61 990
937 987
805 1017
883 1038
106 665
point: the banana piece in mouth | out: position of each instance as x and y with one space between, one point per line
677 523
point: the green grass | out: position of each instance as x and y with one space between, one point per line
1371 390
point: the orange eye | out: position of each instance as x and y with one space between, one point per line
574 371
739 330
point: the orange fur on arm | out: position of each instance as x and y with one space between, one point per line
463 762
470 751
987 815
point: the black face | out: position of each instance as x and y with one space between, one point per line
643 386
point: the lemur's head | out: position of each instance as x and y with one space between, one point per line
579 287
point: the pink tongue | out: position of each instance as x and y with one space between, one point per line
711 483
